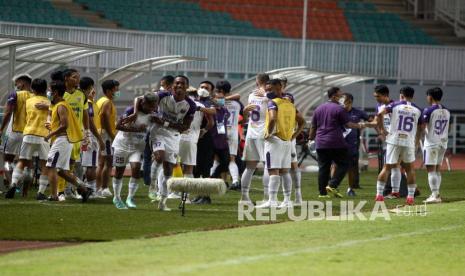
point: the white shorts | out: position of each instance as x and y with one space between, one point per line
233 146
293 151
395 153
169 145
29 149
90 156
188 153
277 153
107 141
60 154
122 157
12 143
253 150
433 156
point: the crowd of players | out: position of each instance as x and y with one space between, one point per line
66 127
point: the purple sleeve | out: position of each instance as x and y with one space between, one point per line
12 98
128 111
289 96
162 94
192 107
272 105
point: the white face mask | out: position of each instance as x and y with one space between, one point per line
203 93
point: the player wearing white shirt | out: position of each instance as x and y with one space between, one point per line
234 108
129 145
189 139
381 94
177 112
254 141
436 120
402 138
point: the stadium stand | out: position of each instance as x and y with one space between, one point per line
38 12
344 20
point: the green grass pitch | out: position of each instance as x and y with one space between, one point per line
420 245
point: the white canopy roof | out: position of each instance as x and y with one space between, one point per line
307 86
39 56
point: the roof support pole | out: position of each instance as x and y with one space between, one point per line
97 72
304 34
11 67
150 76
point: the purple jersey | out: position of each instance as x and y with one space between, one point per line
352 136
329 120
219 130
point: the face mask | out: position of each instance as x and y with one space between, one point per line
220 102
49 95
117 94
203 93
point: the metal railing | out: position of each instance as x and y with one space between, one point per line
453 13
423 9
250 55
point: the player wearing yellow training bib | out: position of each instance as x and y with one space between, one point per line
107 114
64 130
280 125
34 131
14 118
78 103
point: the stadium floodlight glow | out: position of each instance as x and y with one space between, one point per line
39 56
307 86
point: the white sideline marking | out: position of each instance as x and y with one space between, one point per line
349 243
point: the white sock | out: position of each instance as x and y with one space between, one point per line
245 183
161 175
439 175
411 189
380 187
266 181
164 187
92 184
234 171
433 183
296 180
16 177
287 186
43 183
396 177
117 185
132 187
274 187
216 163
154 169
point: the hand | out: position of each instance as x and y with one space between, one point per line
129 119
362 125
47 138
249 108
381 137
202 132
261 92
48 125
42 106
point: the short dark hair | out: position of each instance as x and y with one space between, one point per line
274 82
435 93
58 86
407 91
209 83
39 86
108 85
57 75
263 78
382 90
151 97
223 85
68 72
332 91
349 96
168 79
24 78
184 77
85 83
